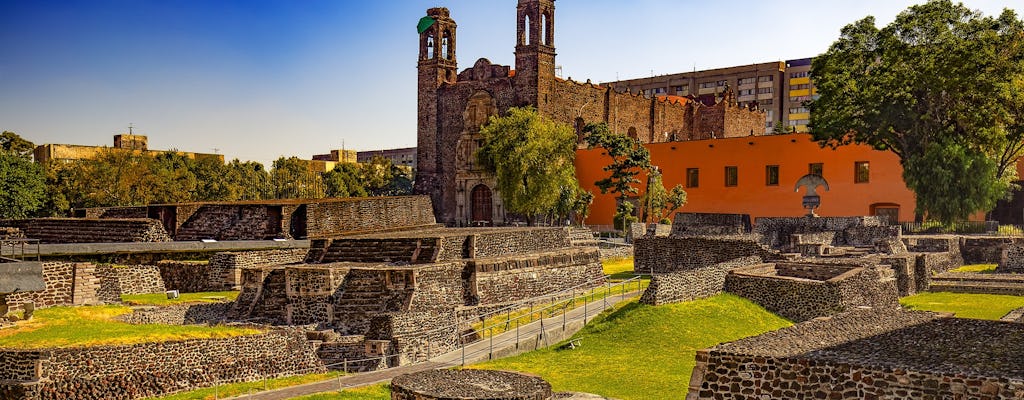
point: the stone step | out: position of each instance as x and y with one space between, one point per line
1015 289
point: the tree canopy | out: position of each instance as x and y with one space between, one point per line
628 159
11 143
22 186
940 86
531 157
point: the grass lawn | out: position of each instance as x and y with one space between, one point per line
95 325
160 299
978 268
658 342
618 268
379 391
243 388
965 305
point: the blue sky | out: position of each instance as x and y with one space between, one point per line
258 79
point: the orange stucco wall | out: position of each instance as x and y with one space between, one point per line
792 153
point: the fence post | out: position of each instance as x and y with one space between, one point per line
463 352
584 312
344 365
490 350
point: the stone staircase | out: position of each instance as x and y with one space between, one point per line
960 282
78 230
366 295
213 219
270 301
410 250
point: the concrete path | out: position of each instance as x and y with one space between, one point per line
529 337
73 249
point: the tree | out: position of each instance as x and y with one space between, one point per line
114 177
531 157
253 181
629 158
377 175
939 85
22 186
779 128
292 179
11 143
344 181
657 203
173 179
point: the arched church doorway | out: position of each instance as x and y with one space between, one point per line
482 205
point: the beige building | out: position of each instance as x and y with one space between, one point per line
778 87
74 152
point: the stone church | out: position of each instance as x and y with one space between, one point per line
453 105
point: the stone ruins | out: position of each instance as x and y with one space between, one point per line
840 279
380 282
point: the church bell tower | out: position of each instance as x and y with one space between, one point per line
437 66
535 52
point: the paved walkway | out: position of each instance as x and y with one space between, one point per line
536 335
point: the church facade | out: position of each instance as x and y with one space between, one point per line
453 105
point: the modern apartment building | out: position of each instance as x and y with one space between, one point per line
778 87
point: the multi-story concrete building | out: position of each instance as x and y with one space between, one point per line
778 87
405 157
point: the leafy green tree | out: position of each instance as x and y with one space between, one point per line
114 177
377 175
292 178
939 85
344 181
22 185
531 157
936 177
173 179
655 197
628 159
779 128
215 181
657 203
11 143
253 182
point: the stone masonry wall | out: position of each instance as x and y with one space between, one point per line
499 244
59 278
139 279
867 354
800 299
360 215
225 268
668 254
986 249
693 284
1011 261
151 369
72 284
693 224
776 231
228 222
416 335
523 277
187 276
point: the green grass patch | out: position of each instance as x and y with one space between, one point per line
977 268
381 391
160 299
507 321
243 388
965 305
618 268
644 352
95 325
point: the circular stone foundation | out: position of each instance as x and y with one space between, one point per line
469 384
